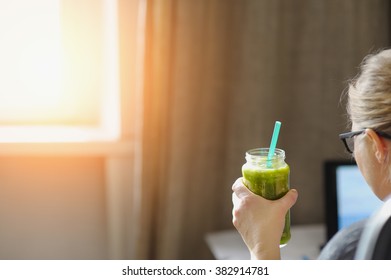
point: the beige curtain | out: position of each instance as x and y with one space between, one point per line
218 73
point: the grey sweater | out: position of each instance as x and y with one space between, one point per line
343 245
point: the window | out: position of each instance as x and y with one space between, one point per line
59 76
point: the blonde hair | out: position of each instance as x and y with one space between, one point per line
369 94
369 97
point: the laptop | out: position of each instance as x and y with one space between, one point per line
348 198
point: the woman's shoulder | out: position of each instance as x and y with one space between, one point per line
343 245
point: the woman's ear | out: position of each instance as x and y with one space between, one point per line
379 146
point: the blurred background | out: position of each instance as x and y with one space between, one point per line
124 123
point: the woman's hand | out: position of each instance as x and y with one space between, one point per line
259 221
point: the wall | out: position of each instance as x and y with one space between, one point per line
52 208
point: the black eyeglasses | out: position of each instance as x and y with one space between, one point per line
348 138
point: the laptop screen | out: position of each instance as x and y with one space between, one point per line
348 197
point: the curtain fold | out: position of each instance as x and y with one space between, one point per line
217 75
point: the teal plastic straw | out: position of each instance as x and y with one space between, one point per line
273 143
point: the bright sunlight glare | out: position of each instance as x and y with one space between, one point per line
58 71
30 55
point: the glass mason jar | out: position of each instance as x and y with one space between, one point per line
268 178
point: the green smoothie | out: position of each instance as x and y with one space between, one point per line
269 179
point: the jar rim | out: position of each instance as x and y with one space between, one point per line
264 152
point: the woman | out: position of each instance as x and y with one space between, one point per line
260 222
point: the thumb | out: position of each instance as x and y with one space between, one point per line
289 199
